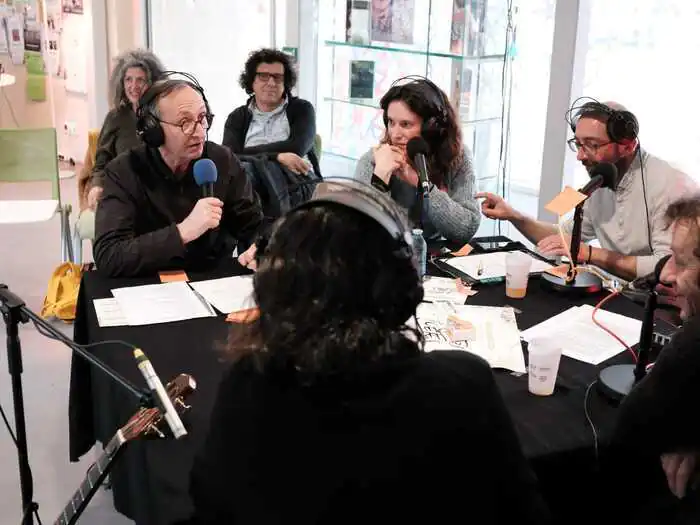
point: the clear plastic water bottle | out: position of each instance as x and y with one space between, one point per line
420 248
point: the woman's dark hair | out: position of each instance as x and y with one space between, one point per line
440 125
267 56
334 294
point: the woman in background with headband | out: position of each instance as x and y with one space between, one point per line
134 71
421 109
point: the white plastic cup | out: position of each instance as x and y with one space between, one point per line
543 366
518 266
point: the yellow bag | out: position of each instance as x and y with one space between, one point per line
62 296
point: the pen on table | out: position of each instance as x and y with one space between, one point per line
204 302
480 269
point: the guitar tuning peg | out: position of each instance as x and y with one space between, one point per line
155 430
181 404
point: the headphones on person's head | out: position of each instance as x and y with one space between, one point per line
364 199
434 127
148 127
621 124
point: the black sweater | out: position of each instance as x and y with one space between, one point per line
302 132
660 415
136 220
425 439
117 135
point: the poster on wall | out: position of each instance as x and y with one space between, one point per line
52 39
74 54
73 6
15 38
392 21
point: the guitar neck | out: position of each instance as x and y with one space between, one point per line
93 479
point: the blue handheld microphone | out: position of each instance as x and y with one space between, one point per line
205 175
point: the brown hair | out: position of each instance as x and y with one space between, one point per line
445 140
687 212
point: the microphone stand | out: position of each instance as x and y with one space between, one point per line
616 381
580 283
15 312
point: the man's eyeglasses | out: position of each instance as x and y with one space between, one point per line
188 125
265 77
590 148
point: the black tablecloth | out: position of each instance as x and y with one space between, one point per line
150 480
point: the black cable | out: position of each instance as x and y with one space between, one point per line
644 192
34 508
590 421
9 427
501 161
9 105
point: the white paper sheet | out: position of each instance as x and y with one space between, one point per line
109 313
493 265
229 294
161 303
580 338
497 336
21 212
442 289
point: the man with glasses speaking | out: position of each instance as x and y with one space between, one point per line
178 201
627 218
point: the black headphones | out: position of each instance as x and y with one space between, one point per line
148 127
621 124
434 127
364 199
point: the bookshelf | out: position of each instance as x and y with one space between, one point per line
461 45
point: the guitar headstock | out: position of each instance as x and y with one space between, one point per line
147 421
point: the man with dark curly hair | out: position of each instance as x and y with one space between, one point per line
273 122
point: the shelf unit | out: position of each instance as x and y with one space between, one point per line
466 60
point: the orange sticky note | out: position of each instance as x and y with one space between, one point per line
173 276
464 250
566 201
243 316
559 271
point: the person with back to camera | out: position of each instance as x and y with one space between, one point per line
153 215
419 108
627 219
331 411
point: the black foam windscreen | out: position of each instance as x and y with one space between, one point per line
608 172
417 145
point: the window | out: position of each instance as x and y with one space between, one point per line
211 40
640 54
533 47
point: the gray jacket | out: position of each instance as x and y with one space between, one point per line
454 214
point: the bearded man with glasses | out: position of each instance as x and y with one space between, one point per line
153 215
628 219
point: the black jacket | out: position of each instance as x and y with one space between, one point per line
420 439
117 135
659 415
302 132
136 220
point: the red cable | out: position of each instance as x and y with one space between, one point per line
610 332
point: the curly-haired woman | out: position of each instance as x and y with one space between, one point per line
134 71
